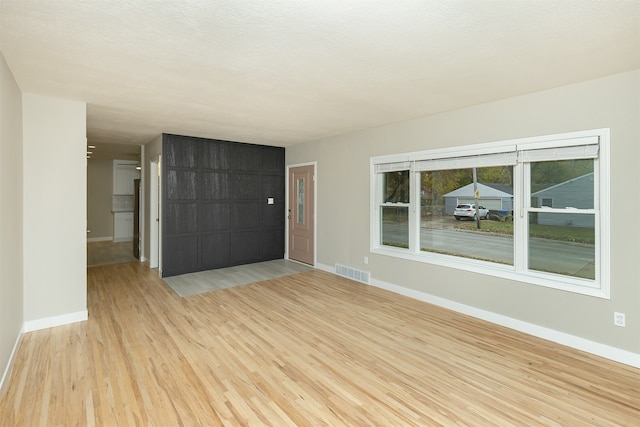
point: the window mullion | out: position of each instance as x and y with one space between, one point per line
376 220
563 210
414 213
521 194
597 223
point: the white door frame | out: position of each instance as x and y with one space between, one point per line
142 213
315 209
154 215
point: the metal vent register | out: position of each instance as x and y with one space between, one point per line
352 273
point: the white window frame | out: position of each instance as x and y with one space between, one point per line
393 167
461 157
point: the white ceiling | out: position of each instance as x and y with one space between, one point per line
282 72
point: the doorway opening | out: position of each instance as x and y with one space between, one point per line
111 203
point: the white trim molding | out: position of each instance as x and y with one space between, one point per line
7 371
99 239
578 343
53 321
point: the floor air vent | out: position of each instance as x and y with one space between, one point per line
352 273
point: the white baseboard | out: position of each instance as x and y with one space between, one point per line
324 267
4 381
123 239
34 325
50 322
598 349
99 239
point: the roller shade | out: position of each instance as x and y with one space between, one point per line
589 151
392 167
578 148
466 162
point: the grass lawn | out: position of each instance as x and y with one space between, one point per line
554 232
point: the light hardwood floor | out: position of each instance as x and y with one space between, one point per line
308 349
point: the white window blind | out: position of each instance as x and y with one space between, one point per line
561 153
392 167
480 161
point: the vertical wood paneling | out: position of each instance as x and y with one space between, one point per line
245 246
271 160
271 243
180 152
216 250
246 215
215 186
271 215
247 186
184 253
215 211
215 217
181 218
246 157
215 156
181 185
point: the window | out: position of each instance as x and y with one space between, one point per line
546 202
394 209
448 222
533 210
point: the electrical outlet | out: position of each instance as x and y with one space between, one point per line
619 319
366 260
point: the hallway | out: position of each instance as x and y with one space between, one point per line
107 252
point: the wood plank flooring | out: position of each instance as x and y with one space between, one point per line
310 349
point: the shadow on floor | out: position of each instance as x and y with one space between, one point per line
104 253
211 280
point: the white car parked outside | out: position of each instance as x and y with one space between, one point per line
469 211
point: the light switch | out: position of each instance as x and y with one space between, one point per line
269 200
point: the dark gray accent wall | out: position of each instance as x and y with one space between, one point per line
214 206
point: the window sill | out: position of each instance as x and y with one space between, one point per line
552 281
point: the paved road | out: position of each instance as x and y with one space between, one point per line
544 254
473 244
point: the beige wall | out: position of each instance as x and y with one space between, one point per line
343 204
55 207
99 199
11 278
